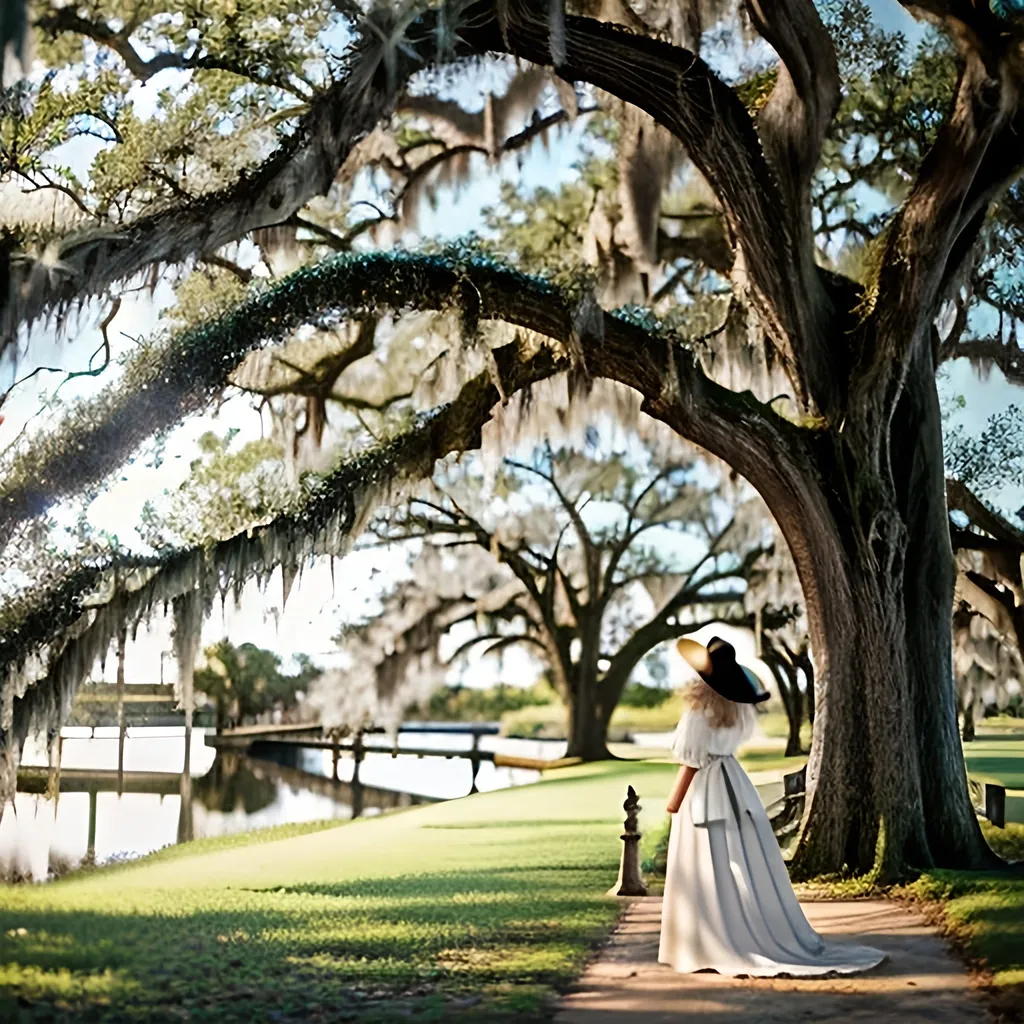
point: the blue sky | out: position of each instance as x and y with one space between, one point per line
894 17
315 608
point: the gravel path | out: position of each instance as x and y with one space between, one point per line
921 981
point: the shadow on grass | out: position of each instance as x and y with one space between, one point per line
530 823
548 883
477 945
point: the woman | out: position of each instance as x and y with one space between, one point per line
728 904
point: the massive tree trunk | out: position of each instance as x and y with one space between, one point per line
864 792
886 779
929 579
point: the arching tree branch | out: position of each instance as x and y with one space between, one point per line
979 148
796 118
962 498
678 89
684 95
160 391
317 523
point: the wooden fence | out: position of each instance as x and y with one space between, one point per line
989 801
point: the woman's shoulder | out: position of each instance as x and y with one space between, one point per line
693 717
692 739
698 726
694 725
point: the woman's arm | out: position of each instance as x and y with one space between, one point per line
683 780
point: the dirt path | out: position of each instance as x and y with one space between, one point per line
920 982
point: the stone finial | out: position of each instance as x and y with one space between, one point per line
631 805
631 881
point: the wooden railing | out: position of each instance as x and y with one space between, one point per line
786 812
989 801
264 739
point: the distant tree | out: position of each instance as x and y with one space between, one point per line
784 648
985 663
982 472
245 682
793 671
459 703
589 561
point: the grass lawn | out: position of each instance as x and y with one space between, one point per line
997 755
984 915
474 909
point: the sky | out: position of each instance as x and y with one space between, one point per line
317 604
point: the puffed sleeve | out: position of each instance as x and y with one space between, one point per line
690 743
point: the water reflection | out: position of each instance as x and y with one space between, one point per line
232 785
99 816
90 822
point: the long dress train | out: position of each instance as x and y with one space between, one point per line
729 905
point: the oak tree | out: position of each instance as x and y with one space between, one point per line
848 457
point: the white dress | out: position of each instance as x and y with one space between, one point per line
729 905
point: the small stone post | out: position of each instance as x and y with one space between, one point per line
631 881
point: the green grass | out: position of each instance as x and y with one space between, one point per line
997 755
474 910
1002 722
211 844
984 913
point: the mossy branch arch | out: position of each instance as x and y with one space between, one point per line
858 487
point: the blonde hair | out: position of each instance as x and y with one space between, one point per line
720 712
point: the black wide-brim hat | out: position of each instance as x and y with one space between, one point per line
716 664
